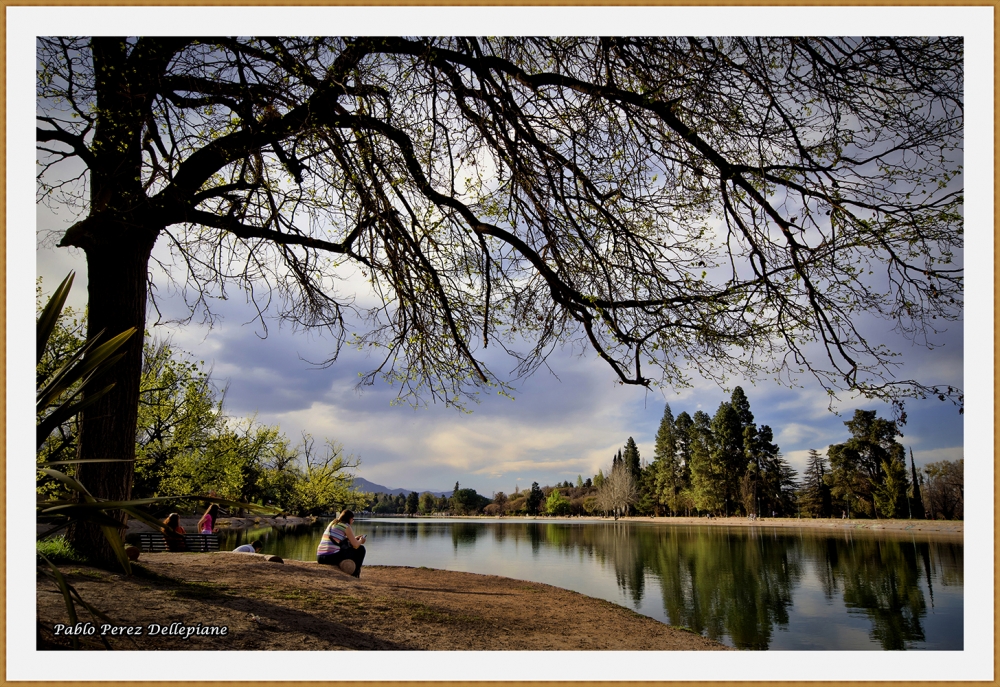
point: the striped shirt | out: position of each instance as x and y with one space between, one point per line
334 537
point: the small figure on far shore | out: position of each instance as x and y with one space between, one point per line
253 547
207 523
339 545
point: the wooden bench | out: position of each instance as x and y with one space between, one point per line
153 542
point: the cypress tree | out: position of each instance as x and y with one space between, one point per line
631 458
917 502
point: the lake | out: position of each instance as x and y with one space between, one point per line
752 588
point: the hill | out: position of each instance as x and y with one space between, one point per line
361 484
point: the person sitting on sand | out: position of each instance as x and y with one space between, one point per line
173 533
207 523
253 547
339 543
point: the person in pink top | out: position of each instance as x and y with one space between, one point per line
207 523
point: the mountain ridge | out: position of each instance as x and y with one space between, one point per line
362 484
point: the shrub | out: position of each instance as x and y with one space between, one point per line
57 550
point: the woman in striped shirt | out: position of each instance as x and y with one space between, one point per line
339 544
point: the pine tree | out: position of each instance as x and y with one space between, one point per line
729 462
665 467
706 475
773 469
741 404
682 432
815 495
535 498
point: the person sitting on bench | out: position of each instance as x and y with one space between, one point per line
339 545
253 547
173 533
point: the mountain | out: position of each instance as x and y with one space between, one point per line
361 484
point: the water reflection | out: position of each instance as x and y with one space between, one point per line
739 585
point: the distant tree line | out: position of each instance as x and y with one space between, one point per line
726 465
867 477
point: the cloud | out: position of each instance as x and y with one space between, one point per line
553 431
952 453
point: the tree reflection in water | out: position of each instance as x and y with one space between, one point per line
738 583
733 584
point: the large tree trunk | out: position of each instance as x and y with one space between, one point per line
116 270
117 238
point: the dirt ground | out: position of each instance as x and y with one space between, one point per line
301 605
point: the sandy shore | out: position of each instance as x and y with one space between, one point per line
934 527
301 605
943 527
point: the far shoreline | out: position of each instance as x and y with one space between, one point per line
936 528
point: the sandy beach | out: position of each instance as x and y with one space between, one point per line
300 605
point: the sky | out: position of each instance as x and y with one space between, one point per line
554 430
560 425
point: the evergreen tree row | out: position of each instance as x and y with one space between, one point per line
723 464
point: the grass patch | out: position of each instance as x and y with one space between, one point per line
57 550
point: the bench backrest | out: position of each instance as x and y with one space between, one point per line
153 542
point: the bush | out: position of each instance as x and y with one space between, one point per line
557 504
57 550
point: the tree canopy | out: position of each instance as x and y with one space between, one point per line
717 203
676 205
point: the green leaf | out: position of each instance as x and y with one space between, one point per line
65 411
50 315
65 589
95 361
67 480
